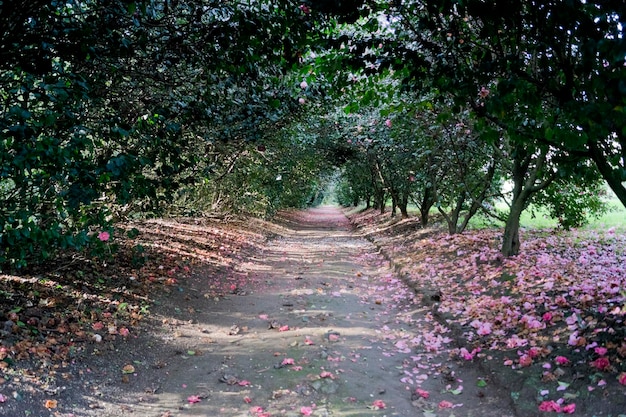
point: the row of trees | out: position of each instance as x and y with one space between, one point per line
121 107
117 108
531 94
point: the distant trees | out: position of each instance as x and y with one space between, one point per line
543 85
554 73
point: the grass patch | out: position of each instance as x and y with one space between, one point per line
538 218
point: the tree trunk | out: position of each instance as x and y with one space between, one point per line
402 205
379 201
511 241
452 218
394 203
524 186
428 201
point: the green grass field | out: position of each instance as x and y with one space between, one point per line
536 218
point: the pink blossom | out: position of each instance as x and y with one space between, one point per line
571 320
303 85
465 354
388 122
445 404
423 393
601 351
601 364
306 411
484 329
192 399
104 236
97 325
573 339
547 317
525 360
549 406
569 408
287 361
562 360
622 378
378 404
124 331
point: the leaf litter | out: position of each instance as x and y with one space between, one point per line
553 315
420 356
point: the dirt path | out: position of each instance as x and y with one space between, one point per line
318 325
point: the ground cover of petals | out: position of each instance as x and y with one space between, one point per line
549 321
296 317
306 316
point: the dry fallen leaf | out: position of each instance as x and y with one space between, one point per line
49 404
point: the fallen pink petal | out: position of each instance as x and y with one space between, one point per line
562 360
601 364
445 404
378 404
192 399
550 406
422 393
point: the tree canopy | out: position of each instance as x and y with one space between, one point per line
122 108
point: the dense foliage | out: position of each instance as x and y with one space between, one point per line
112 108
120 108
541 84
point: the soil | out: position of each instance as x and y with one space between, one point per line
312 321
